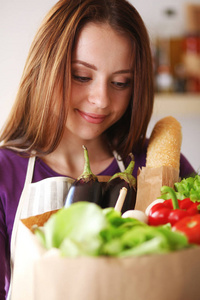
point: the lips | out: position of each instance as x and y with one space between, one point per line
92 118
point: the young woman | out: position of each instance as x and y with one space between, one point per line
87 80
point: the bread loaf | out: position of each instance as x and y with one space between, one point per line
165 144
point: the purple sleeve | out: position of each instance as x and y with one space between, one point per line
4 256
12 176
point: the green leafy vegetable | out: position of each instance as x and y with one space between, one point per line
86 229
75 230
186 188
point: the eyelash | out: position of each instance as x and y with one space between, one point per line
121 85
118 85
81 78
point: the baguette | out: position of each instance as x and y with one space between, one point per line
165 144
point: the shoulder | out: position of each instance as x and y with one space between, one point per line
12 169
12 176
12 160
186 168
9 154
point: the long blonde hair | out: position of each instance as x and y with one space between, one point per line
33 123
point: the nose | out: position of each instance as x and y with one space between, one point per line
99 95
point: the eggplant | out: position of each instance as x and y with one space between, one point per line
116 183
86 187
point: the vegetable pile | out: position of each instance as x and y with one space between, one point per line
89 224
85 229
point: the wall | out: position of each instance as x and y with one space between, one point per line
19 20
152 12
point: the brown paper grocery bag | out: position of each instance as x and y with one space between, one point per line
150 181
40 274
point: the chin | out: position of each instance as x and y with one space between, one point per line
88 134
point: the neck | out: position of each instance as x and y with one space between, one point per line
68 158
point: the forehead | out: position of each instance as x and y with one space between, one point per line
92 30
101 39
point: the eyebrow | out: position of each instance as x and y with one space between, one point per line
80 62
93 67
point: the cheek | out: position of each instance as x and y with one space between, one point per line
121 106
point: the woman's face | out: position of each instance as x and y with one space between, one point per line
101 80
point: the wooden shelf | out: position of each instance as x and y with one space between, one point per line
177 103
177 96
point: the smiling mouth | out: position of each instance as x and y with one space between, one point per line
92 118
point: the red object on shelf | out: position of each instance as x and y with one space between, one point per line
192 62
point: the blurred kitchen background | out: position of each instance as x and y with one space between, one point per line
174 30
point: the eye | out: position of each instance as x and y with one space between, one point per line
121 85
81 78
